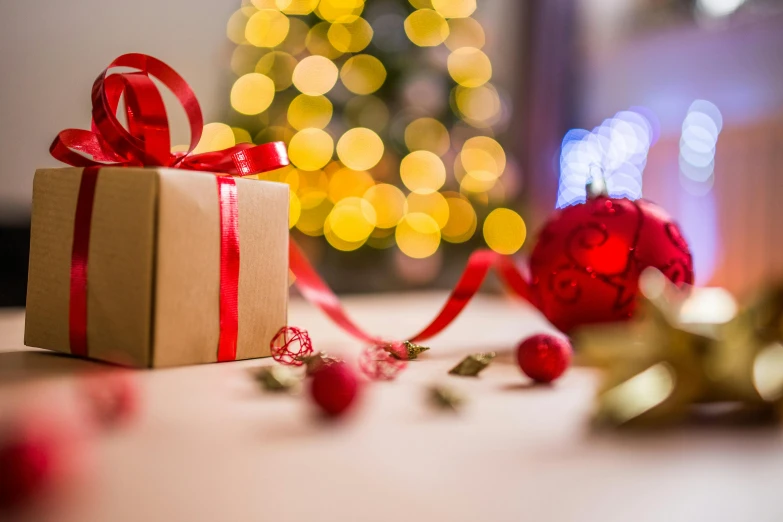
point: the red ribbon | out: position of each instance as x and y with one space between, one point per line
315 290
146 143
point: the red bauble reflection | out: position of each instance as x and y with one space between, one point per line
586 264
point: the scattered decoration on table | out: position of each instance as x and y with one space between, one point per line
290 345
316 360
335 388
445 398
277 378
689 353
406 350
378 364
111 396
473 364
40 453
544 357
586 264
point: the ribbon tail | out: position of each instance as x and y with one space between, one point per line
318 293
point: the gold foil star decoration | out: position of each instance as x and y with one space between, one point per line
277 379
473 364
688 353
445 398
406 350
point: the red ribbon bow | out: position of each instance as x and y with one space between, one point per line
146 143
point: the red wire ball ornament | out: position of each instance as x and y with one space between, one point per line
378 364
544 357
334 388
291 345
586 264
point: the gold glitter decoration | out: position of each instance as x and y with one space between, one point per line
473 364
277 379
687 355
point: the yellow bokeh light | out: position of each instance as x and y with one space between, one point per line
367 111
480 106
215 136
245 57
311 221
312 187
462 221
317 42
235 28
252 93
465 32
311 149
332 168
352 219
427 134
296 7
418 235
484 155
360 148
389 204
309 112
288 175
294 209
278 66
267 28
241 135
381 238
422 171
363 74
350 34
347 183
454 8
421 4
264 4
338 243
334 10
426 28
476 183
504 231
469 67
433 204
315 75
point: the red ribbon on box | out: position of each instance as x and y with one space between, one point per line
146 143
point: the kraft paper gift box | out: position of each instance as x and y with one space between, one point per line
154 265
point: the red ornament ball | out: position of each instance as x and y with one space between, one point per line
586 264
544 357
379 365
334 388
291 345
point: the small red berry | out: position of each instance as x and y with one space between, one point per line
35 456
334 388
544 357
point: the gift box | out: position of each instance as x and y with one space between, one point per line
150 258
153 295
